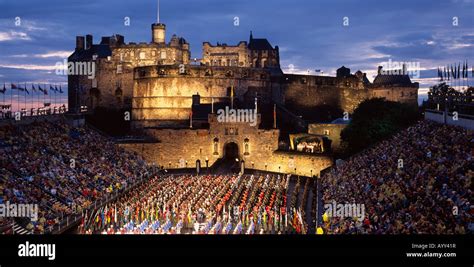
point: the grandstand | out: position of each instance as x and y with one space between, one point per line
417 182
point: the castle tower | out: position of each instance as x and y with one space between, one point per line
158 33
158 30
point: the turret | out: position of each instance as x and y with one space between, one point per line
158 33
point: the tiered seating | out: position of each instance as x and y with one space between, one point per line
418 181
62 169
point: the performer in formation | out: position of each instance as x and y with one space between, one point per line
187 204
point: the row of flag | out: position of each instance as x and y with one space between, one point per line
44 90
133 217
453 72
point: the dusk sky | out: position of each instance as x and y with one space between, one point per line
310 34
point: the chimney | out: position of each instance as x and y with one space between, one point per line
120 39
196 100
89 41
404 69
80 43
379 71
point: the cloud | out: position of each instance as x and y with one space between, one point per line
29 67
59 54
379 30
13 36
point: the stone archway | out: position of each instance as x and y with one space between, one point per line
231 151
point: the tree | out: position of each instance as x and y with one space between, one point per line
374 120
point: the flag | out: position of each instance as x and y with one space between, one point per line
459 70
4 89
115 214
60 89
464 70
33 87
26 90
15 87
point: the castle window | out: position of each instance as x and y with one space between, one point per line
216 146
163 55
246 146
118 92
326 132
153 53
119 69
142 55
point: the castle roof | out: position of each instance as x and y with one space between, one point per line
390 79
101 50
259 44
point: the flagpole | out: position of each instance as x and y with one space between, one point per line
26 101
54 99
11 98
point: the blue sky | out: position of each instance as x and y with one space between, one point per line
310 34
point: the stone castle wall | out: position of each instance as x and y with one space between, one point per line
164 93
181 148
332 131
307 92
225 55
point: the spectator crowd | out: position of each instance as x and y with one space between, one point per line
417 182
61 168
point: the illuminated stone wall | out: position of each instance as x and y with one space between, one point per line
225 55
257 147
164 93
306 91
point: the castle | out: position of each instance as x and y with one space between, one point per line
164 89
